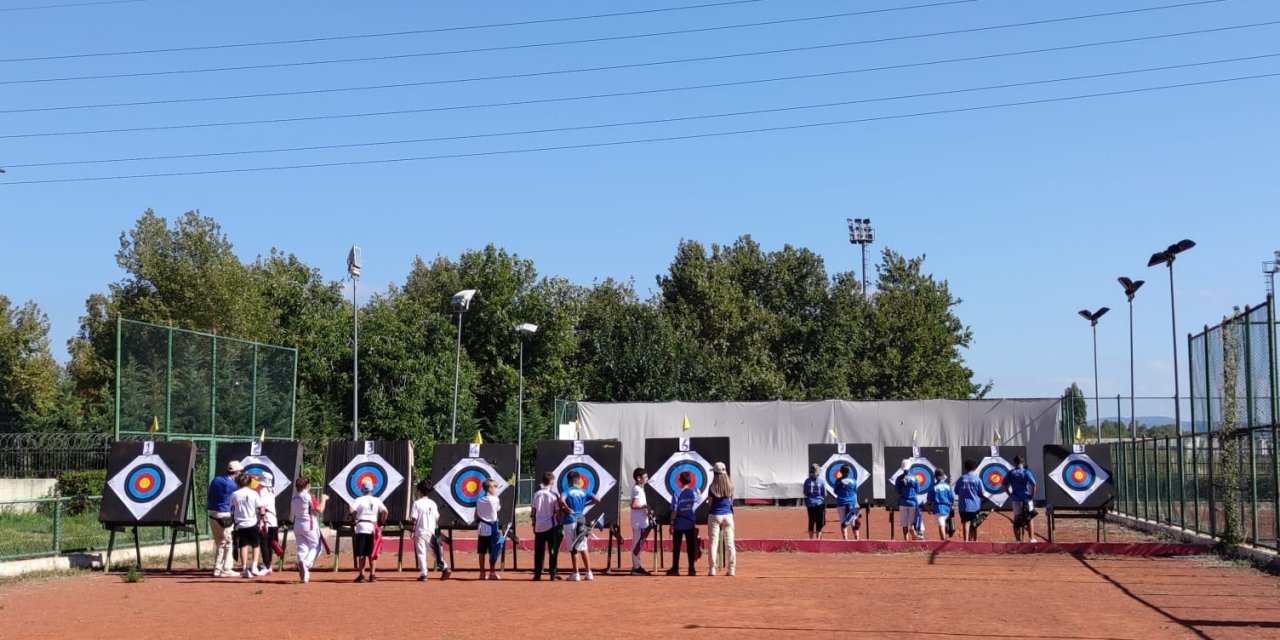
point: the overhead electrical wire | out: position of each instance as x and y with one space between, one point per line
615 143
413 32
141 74
41 7
654 121
402 85
594 96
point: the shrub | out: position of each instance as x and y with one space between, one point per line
77 485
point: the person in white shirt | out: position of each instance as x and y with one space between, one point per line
247 514
306 512
488 532
424 516
368 513
271 524
546 533
641 523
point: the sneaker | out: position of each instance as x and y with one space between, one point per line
422 577
575 578
444 575
639 571
731 572
267 571
373 578
258 572
494 576
557 577
675 571
590 576
537 578
484 575
711 571
245 573
359 578
693 572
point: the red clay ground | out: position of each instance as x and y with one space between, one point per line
775 595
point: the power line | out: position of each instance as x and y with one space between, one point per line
578 128
389 34
72 4
402 56
616 143
609 95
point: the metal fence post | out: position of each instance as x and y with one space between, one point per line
1195 443
213 389
118 323
168 389
57 523
253 401
1208 426
1247 327
1275 415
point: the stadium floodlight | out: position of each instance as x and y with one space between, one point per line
461 303
525 330
1130 288
354 264
862 234
1269 270
1093 322
1167 257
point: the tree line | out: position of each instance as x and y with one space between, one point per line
727 322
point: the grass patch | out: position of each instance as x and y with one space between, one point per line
133 575
39 576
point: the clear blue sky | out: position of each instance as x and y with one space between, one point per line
1030 212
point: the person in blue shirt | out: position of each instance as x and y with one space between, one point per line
1021 485
942 497
684 524
575 503
847 502
218 501
720 521
908 488
815 501
968 492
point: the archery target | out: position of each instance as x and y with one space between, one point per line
668 476
142 483
1079 476
831 471
992 472
463 486
257 465
923 471
373 467
592 476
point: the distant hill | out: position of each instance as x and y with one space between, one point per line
1151 421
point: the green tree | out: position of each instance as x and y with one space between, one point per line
1077 406
29 375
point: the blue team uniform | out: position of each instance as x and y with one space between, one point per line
1020 484
969 490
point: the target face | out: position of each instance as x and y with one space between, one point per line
463 486
668 476
831 471
1079 476
372 467
923 471
992 472
142 483
257 465
592 476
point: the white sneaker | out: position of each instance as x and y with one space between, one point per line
575 578
217 573
711 571
258 572
245 573
732 572
590 577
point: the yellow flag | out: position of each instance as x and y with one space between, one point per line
155 424
1079 436
479 439
995 438
684 426
262 437
913 436
832 431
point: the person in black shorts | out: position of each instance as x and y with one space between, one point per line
968 490
815 502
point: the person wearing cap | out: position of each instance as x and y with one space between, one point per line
908 505
271 523
368 513
247 513
943 499
720 521
815 501
218 502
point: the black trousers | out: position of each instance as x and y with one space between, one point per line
690 536
817 518
546 543
273 533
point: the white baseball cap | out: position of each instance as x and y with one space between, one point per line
234 467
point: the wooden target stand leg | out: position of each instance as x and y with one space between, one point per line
615 536
659 553
284 544
892 516
111 545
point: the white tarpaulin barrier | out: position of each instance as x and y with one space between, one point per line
770 440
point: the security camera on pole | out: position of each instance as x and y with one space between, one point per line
461 303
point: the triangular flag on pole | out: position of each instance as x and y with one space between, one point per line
479 439
832 432
155 424
262 437
913 436
1079 435
995 438
684 426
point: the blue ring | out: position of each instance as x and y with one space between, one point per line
592 480
982 475
928 474
673 474
460 478
156 486
379 479
1090 475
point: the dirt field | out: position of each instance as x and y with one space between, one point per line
868 595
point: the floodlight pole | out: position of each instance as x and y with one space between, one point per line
457 367
520 419
1130 289
861 234
354 264
1092 317
1167 257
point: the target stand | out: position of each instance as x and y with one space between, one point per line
145 488
1078 485
348 531
925 461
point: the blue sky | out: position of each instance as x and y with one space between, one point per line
1029 212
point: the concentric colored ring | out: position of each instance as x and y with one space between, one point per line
367 471
144 483
833 472
468 486
1079 475
588 479
992 476
673 477
924 476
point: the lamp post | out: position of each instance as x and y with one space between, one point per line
1130 288
461 303
1269 269
1167 257
523 331
1093 322
861 234
353 270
